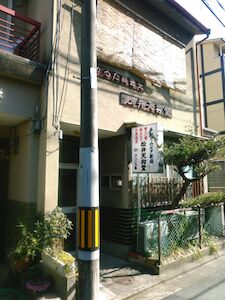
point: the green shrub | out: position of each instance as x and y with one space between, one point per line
30 244
204 200
47 233
56 227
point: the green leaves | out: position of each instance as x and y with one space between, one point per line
204 200
195 153
30 244
190 150
55 226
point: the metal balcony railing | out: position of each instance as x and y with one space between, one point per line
19 34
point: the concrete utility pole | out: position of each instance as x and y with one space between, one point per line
88 202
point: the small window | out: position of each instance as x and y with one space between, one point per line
116 181
111 182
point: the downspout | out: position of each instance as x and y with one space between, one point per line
205 180
198 85
222 70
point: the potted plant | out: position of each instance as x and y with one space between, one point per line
28 248
55 261
47 236
46 241
56 229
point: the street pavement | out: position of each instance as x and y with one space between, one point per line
207 282
202 279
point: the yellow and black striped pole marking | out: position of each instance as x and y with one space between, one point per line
88 228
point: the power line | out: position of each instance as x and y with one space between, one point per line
211 10
219 3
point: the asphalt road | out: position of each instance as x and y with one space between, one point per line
207 282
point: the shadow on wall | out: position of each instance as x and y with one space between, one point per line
74 28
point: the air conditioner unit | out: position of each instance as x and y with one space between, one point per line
147 236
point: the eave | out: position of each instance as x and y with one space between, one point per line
167 18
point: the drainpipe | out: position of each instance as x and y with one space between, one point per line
198 86
205 180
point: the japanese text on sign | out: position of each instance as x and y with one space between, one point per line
145 105
120 79
147 142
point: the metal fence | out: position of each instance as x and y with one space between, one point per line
165 233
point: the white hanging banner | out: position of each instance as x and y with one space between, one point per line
147 144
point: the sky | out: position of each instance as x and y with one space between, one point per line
198 9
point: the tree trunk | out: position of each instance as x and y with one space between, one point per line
181 193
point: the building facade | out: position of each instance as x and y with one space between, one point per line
211 58
211 74
144 77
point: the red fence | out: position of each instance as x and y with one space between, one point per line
19 34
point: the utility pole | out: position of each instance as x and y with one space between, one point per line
88 200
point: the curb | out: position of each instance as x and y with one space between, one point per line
178 267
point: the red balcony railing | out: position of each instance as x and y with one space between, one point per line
19 34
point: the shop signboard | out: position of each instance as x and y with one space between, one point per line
147 144
145 105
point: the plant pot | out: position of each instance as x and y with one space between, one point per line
38 285
56 265
64 282
21 265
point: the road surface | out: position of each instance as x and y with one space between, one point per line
206 282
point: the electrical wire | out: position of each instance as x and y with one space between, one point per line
211 10
60 92
53 66
219 3
67 66
55 69
50 67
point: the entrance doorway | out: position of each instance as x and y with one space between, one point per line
68 183
68 176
